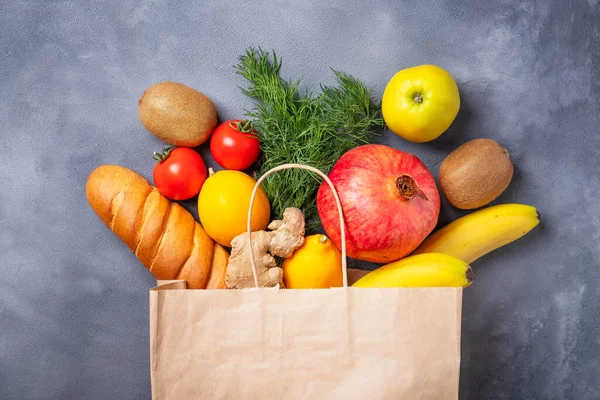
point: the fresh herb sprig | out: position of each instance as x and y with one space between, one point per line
296 127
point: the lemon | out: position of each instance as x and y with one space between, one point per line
223 205
316 264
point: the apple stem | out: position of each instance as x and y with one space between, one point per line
418 98
408 188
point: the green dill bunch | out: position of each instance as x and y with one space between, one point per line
297 127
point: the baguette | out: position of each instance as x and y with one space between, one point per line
162 234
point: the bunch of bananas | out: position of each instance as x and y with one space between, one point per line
443 258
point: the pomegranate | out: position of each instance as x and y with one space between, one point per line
389 199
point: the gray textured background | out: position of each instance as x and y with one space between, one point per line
74 300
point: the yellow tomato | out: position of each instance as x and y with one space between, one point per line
420 103
223 205
314 265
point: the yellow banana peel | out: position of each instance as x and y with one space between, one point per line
424 270
480 232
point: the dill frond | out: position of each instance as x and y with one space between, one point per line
297 127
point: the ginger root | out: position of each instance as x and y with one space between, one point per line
285 236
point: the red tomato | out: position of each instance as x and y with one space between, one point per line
235 145
179 173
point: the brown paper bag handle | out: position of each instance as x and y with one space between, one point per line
337 203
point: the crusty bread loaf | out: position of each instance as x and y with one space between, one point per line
162 234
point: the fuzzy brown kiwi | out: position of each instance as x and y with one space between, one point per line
177 114
475 174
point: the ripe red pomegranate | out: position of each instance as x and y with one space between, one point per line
390 203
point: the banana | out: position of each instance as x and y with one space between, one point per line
424 270
476 234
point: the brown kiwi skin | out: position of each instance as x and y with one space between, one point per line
475 174
177 114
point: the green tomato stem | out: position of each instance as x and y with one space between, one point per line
162 156
243 126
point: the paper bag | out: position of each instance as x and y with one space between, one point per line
272 343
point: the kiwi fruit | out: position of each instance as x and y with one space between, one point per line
475 173
177 114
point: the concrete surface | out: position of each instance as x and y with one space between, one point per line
74 300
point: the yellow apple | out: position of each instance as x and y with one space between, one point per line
420 103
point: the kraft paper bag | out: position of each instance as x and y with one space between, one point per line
338 343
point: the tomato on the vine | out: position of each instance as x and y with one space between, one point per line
179 173
234 144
